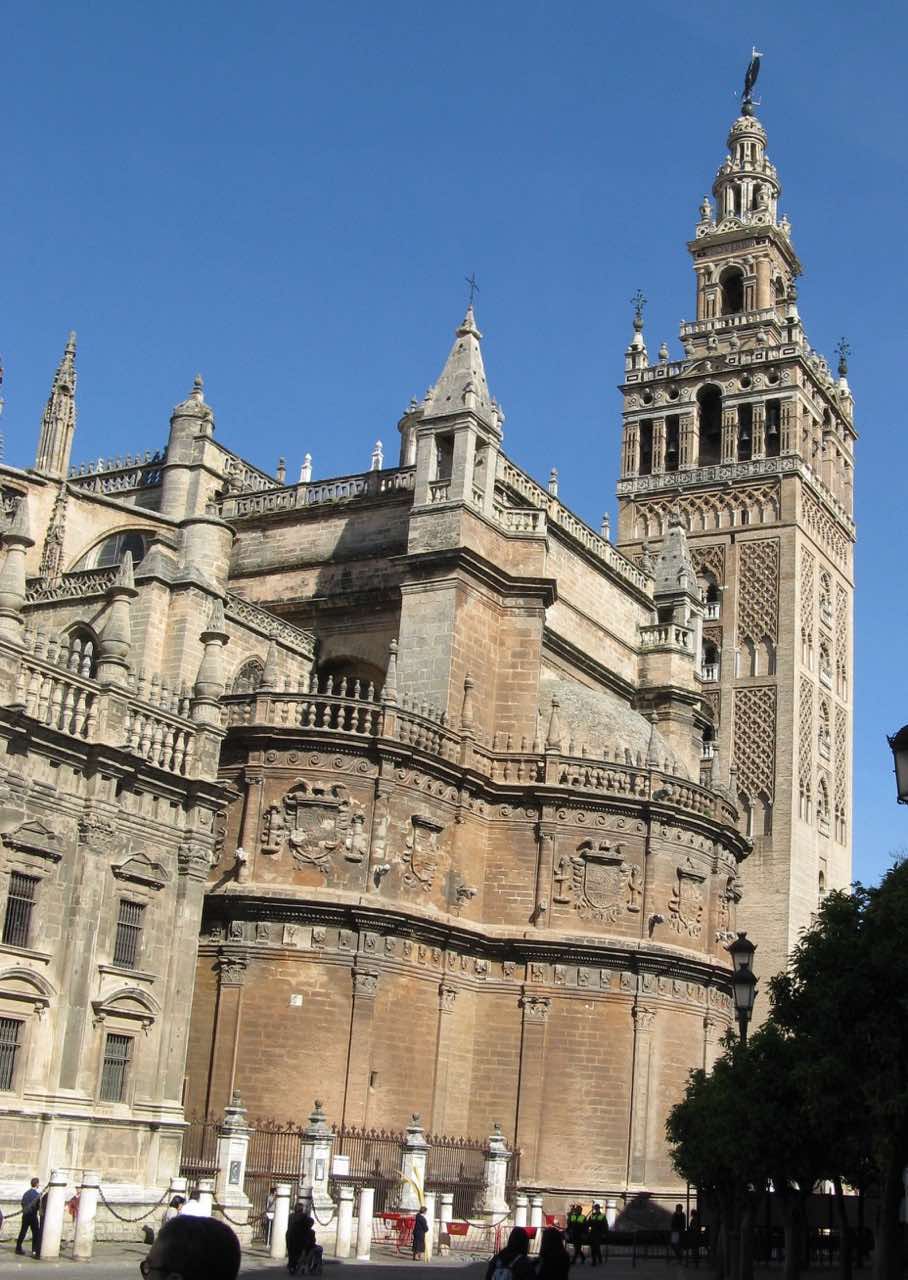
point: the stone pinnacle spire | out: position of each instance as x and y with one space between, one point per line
58 424
462 385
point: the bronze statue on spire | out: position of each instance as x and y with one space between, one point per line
750 79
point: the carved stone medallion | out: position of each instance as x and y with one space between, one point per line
605 885
314 820
421 851
686 902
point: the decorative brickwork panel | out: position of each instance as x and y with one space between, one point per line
716 509
805 732
841 641
755 740
758 590
710 559
807 583
823 528
713 700
840 750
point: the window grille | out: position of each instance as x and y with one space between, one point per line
129 933
116 1064
10 1029
20 902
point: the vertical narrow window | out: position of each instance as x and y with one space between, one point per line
773 427
745 432
10 1030
646 448
20 903
117 1050
129 933
672 442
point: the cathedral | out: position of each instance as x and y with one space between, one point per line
408 789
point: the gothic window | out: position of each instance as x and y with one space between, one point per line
766 657
823 807
710 660
10 1044
779 288
804 802
444 457
249 676
112 550
709 402
821 885
672 442
83 651
745 432
826 598
115 1067
824 735
645 467
20 905
731 282
825 664
773 427
709 743
709 589
129 933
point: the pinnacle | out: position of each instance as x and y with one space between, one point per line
462 384
468 325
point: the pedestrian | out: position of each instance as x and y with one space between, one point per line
676 1231
693 1236
31 1201
269 1213
596 1231
304 1253
554 1261
576 1226
193 1206
512 1262
193 1249
420 1231
173 1209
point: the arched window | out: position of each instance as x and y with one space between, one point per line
249 676
766 657
745 432
773 427
826 597
80 651
745 815
823 806
111 551
731 282
825 663
748 664
821 885
646 448
709 592
672 442
804 802
709 405
710 660
764 810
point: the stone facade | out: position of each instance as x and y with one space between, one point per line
404 771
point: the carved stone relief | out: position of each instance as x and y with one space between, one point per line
315 820
421 852
604 885
686 902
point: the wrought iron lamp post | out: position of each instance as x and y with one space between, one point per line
898 744
744 983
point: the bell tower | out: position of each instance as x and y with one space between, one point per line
750 438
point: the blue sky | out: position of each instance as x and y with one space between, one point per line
287 197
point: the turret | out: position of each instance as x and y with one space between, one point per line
58 424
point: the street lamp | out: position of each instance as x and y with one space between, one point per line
899 746
743 982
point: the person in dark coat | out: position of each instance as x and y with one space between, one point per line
576 1232
420 1231
300 1239
554 1260
596 1231
512 1262
676 1230
693 1236
31 1202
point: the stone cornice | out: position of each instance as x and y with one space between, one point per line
435 564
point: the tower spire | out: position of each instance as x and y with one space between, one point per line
58 424
462 384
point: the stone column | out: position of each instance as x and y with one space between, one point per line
759 429
611 1213
712 1040
729 435
531 1083
231 976
16 541
640 1094
447 996
206 1196
545 859
789 436
52 1222
429 1201
249 831
364 1224
631 452
85 1215
278 1242
688 442
413 1167
344 1222
536 1221
232 1150
493 1204
359 1049
521 1209
658 445
315 1163
764 284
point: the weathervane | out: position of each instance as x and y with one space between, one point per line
843 351
750 79
474 287
638 302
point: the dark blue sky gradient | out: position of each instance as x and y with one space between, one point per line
287 197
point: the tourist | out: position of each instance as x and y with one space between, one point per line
31 1201
269 1213
693 1237
676 1230
554 1260
596 1231
576 1229
420 1231
512 1262
173 1209
303 1252
193 1249
193 1208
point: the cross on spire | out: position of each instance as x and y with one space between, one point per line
843 351
638 302
474 287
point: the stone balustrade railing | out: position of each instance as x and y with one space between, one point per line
719 324
58 698
424 729
119 475
267 624
242 476
71 586
369 484
358 716
661 635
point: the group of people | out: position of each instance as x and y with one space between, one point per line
514 1263
590 1228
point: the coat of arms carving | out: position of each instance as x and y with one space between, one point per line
605 884
421 851
686 902
314 820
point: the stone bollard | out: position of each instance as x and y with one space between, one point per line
429 1201
52 1222
520 1209
413 1167
315 1164
344 1241
364 1225
278 1243
206 1196
536 1221
493 1205
85 1215
611 1213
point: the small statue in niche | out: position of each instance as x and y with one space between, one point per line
564 880
262 931
356 844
